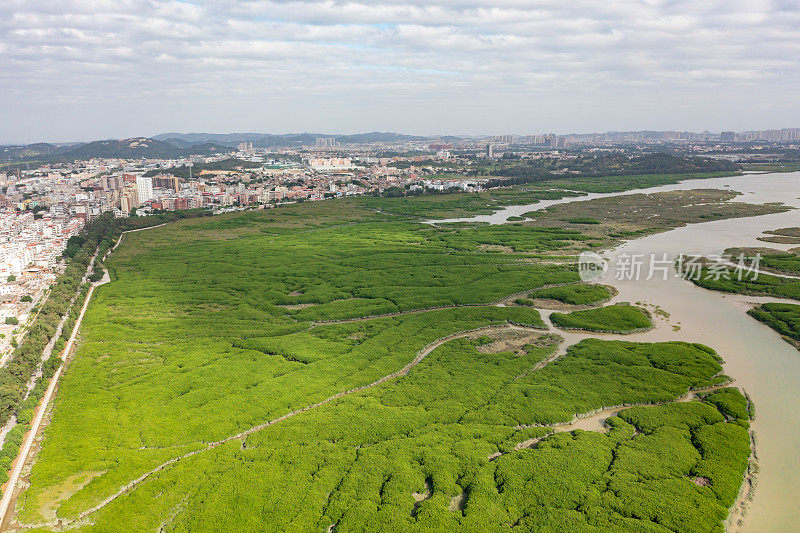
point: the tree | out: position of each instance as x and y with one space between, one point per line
27 298
12 320
12 277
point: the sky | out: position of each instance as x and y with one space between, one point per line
74 70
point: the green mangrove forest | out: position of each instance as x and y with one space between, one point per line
343 366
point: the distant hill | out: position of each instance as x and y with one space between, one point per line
264 140
27 151
134 148
175 145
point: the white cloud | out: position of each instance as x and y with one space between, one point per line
264 64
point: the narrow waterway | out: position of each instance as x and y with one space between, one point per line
755 356
743 184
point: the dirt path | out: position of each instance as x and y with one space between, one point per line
595 420
11 486
502 302
403 371
19 463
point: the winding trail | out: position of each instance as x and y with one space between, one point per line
559 352
11 485
403 371
502 302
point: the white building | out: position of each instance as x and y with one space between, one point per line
145 188
335 163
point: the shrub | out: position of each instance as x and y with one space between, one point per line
618 318
575 294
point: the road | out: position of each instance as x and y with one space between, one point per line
36 423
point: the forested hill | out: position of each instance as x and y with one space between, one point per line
133 148
263 140
616 164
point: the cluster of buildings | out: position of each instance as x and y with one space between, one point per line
627 138
326 142
783 135
30 251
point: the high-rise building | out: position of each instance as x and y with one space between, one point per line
167 182
128 199
113 182
144 186
727 136
325 142
489 151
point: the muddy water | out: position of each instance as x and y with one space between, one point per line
755 356
762 364
743 184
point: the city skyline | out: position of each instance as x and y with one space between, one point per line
92 70
330 139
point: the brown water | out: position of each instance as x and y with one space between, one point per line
755 356
762 363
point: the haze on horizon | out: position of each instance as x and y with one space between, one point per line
84 70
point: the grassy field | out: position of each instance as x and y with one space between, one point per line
627 183
782 236
771 167
216 327
468 204
618 318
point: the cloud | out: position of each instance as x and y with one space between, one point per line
532 59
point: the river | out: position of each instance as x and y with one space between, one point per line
755 356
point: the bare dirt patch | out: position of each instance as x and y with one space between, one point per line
49 500
495 248
513 340
457 503
294 307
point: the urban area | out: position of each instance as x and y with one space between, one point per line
45 202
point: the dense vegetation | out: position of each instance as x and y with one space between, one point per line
788 263
27 357
611 164
184 172
618 318
65 296
783 318
624 216
755 284
216 326
576 294
459 204
768 259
